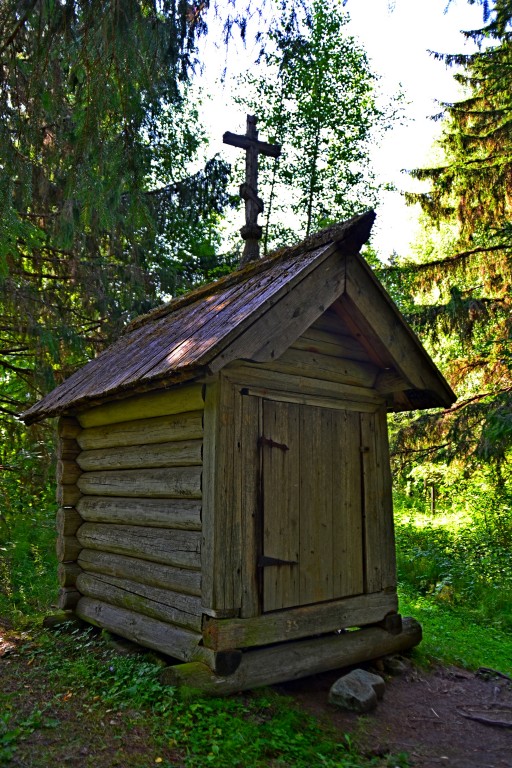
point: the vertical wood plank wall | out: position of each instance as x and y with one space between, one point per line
325 367
134 559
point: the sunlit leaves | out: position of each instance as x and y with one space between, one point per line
316 98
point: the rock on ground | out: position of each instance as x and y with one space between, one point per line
358 691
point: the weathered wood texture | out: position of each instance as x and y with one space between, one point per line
161 429
68 598
329 336
378 504
169 547
347 519
281 504
180 643
255 314
312 515
247 499
159 513
67 574
174 482
321 366
152 601
290 311
68 521
68 471
260 380
293 660
292 624
68 495
221 545
67 447
68 428
67 548
327 352
183 580
138 521
182 454
177 400
382 319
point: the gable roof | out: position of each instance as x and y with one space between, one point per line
255 313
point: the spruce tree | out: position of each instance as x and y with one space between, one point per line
98 210
463 294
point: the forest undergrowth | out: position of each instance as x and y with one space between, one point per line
455 577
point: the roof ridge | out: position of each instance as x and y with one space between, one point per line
360 223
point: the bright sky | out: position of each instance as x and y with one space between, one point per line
396 35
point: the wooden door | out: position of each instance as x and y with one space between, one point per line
312 542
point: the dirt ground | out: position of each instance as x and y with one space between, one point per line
444 716
428 714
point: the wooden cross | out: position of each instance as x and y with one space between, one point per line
251 232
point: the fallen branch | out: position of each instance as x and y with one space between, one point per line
488 672
486 716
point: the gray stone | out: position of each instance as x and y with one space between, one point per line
358 691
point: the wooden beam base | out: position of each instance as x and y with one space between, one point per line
293 660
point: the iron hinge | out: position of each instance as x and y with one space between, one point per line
272 443
264 561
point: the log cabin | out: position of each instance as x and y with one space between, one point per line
224 482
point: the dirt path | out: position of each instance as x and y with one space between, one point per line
422 713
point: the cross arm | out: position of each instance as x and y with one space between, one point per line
245 142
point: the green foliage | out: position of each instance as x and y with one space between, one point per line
317 99
98 204
269 730
458 282
11 734
27 523
458 558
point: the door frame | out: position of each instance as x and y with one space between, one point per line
244 384
312 506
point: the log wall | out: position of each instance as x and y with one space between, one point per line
130 536
69 519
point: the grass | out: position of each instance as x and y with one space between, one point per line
70 696
455 577
450 636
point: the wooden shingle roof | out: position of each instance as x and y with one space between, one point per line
253 313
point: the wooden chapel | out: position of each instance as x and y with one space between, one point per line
224 480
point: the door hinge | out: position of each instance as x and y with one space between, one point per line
272 443
264 561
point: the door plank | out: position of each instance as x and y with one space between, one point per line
315 505
281 499
347 517
248 499
373 504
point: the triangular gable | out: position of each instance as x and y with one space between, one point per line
255 314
